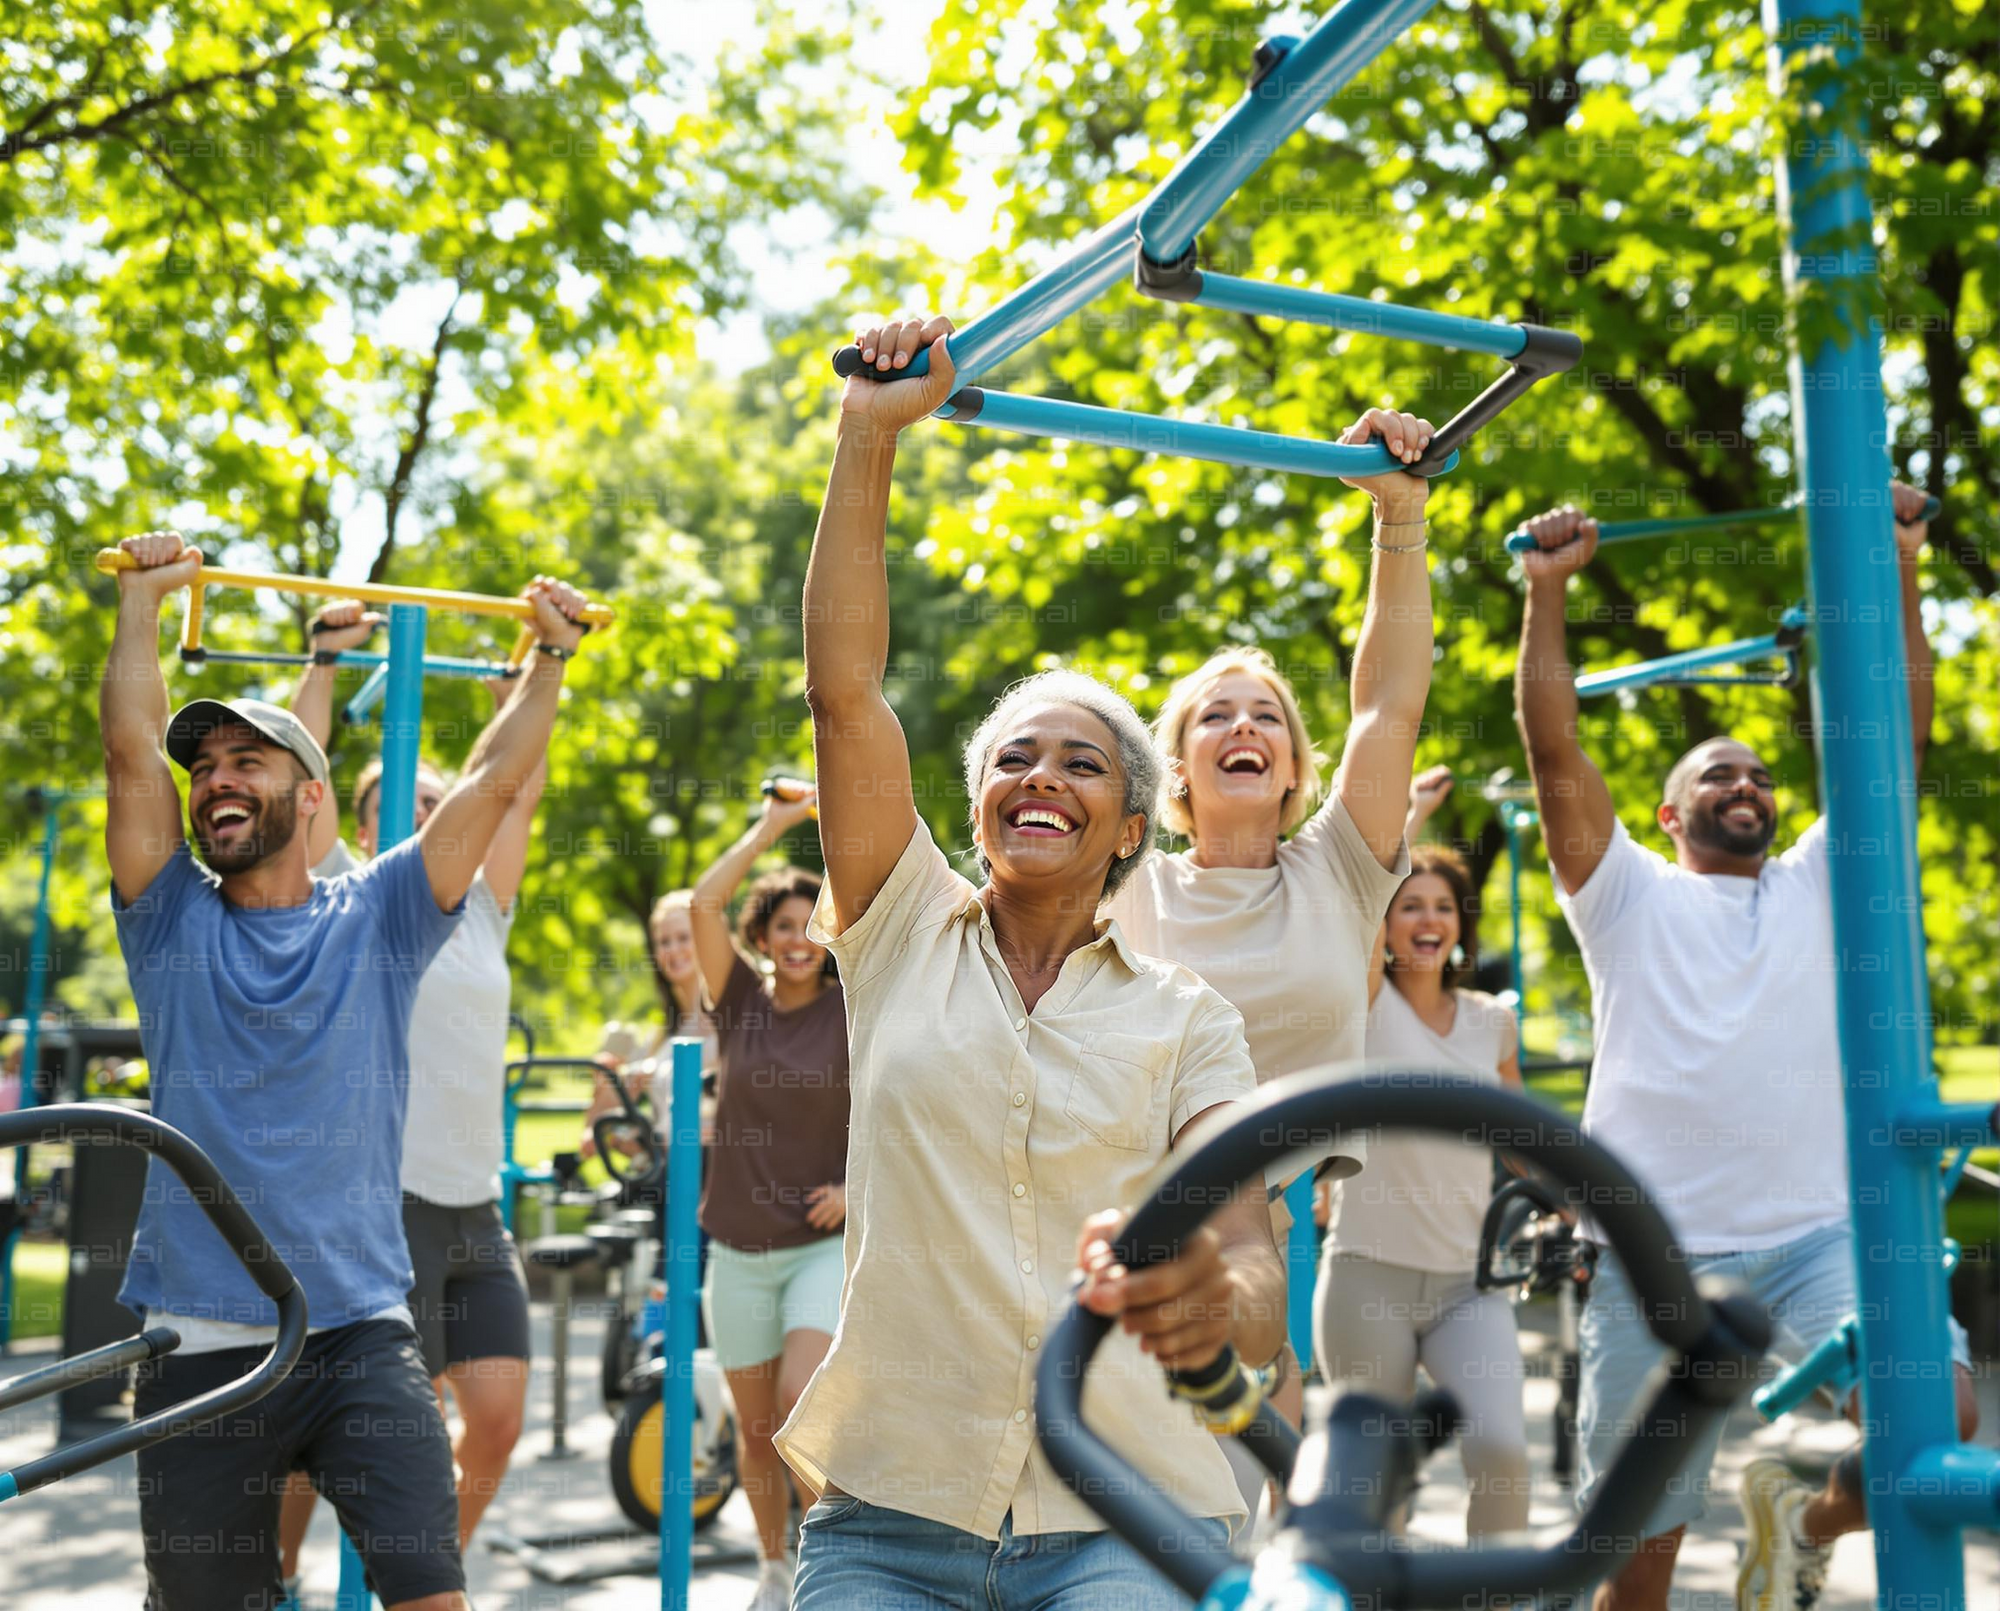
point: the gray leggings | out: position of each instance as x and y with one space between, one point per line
1374 1323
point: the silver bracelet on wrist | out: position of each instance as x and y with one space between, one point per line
1399 525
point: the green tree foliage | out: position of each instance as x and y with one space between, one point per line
1598 166
1603 167
260 264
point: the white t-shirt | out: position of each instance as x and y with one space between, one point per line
1717 1071
1286 945
453 1135
1422 1199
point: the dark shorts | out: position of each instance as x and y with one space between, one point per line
469 1300
357 1414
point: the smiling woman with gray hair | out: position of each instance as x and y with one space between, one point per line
1138 761
1015 1066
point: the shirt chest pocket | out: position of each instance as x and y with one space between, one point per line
1118 1091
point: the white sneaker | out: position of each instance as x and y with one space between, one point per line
1781 1571
774 1585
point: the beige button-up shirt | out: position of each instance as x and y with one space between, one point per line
980 1138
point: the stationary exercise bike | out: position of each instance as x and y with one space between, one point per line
1528 1247
1355 1470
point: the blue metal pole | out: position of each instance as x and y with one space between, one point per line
402 735
1187 439
33 997
402 723
1277 105
1263 299
1647 672
1514 817
1628 531
1034 310
1165 224
1301 1268
366 697
683 1261
1867 765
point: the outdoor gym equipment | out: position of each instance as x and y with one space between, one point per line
1710 666
1834 1367
1527 1248
1155 242
1354 1471
85 1124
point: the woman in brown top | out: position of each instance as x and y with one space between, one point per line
775 1197
1018 1069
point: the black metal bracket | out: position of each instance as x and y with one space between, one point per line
1178 281
1548 352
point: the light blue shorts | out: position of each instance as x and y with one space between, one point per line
852 1553
753 1301
1807 1284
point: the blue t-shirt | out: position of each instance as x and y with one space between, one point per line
279 1041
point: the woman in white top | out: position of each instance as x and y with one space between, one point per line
1282 925
1016 1069
1396 1281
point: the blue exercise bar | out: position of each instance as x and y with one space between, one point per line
677 1386
1187 439
1262 299
1294 77
1629 531
366 697
1684 669
1954 1487
1868 794
434 665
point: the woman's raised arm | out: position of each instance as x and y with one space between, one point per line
860 758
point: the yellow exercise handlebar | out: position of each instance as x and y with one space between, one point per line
112 560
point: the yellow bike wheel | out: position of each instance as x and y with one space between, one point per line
635 1460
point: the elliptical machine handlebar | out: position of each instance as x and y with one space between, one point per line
1715 1333
88 1123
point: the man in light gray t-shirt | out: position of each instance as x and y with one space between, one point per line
468 1298
1717 1072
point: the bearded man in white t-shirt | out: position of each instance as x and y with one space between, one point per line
1717 1075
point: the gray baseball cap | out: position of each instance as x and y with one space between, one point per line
195 720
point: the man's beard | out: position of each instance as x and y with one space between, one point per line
271 829
1707 829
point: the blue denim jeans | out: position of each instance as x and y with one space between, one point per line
852 1553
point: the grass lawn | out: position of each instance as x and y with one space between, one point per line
39 1271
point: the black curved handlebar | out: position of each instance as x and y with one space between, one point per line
1552 1255
90 1123
632 1123
1717 1334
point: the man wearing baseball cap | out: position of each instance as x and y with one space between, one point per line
275 1012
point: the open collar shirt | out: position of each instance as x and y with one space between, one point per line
981 1136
